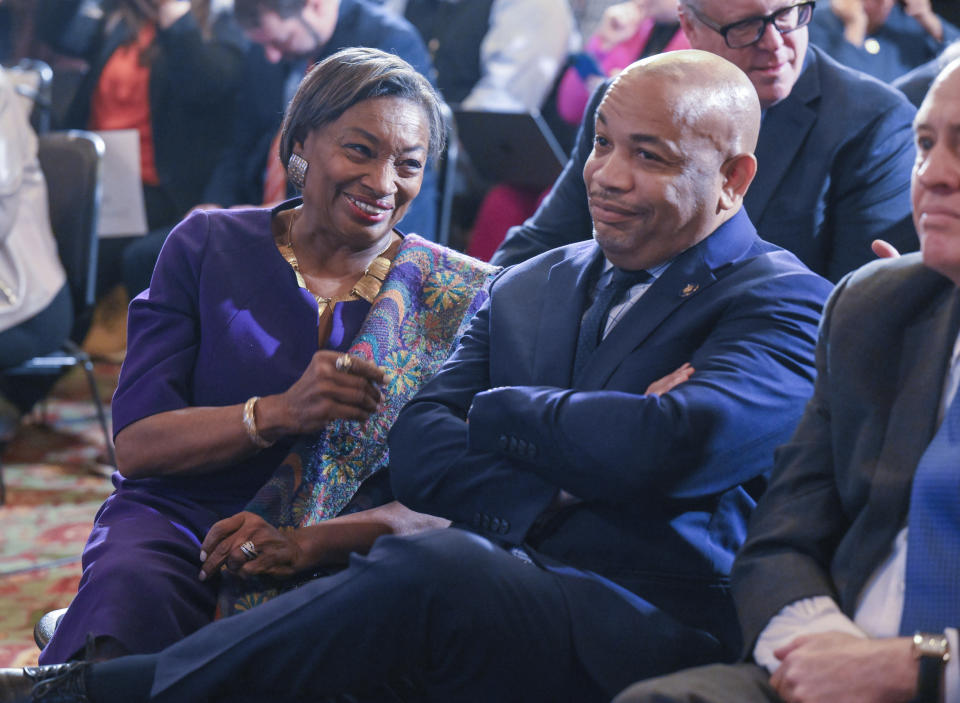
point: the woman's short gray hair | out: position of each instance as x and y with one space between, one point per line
351 76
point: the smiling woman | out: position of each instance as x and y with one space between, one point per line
266 364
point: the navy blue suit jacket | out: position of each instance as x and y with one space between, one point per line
834 160
665 481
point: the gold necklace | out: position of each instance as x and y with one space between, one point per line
366 288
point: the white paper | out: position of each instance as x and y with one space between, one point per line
122 213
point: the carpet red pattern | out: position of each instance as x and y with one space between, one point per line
56 479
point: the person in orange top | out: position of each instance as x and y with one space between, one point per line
167 68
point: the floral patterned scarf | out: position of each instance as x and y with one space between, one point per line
425 304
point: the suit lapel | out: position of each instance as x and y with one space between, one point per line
927 346
690 274
785 127
926 350
564 300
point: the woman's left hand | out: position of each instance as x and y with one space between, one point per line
277 553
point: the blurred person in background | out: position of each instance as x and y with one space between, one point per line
628 31
36 312
883 38
166 68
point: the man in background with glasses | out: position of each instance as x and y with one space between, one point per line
834 154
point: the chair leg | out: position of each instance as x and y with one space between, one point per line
87 365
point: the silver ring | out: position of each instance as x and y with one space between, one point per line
249 550
344 363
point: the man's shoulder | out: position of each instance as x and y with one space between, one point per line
888 285
578 254
769 271
860 97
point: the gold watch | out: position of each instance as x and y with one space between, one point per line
932 650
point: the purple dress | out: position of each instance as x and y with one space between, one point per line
223 320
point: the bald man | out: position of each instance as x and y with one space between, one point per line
833 156
595 439
848 586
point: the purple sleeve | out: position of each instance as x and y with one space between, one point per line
163 334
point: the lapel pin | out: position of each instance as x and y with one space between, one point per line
689 290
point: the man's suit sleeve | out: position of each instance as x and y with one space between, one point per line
433 470
563 216
709 434
800 520
522 443
870 196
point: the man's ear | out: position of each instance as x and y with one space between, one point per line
685 22
737 172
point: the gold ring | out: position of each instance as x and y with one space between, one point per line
344 363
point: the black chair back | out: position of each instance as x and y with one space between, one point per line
71 165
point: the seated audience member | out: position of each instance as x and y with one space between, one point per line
289 36
833 157
883 38
848 586
497 55
628 31
916 83
598 470
265 334
36 312
167 69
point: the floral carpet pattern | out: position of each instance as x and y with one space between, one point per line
56 478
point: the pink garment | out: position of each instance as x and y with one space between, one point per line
573 93
503 207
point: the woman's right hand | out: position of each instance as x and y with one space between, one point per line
321 394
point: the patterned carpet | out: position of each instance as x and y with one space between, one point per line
56 479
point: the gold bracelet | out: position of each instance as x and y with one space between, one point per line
250 423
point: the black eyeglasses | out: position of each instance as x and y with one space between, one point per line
741 34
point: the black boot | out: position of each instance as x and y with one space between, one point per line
59 683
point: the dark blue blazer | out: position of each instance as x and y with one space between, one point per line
834 160
665 482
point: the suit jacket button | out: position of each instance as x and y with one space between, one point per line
532 451
513 444
502 442
485 522
476 520
504 527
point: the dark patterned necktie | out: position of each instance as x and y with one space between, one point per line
595 319
932 594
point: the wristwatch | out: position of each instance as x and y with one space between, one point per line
931 649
